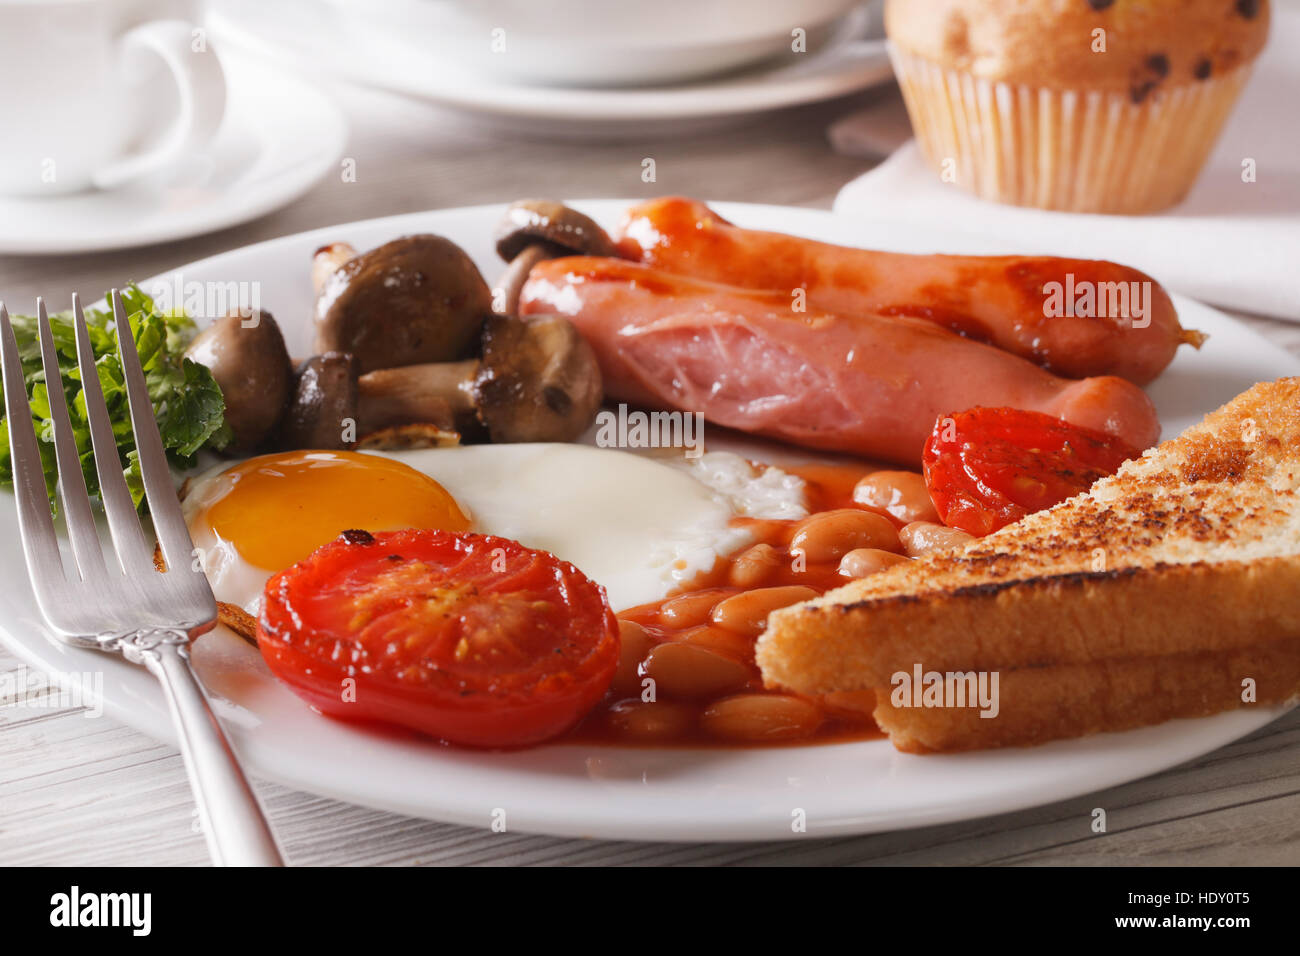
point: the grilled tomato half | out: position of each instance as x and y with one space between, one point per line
988 467
470 638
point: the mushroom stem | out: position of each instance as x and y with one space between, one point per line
505 294
435 393
326 261
535 229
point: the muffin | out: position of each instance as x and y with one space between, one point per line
1107 106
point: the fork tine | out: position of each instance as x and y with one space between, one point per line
164 505
129 541
72 483
35 524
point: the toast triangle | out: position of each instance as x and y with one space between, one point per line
1192 549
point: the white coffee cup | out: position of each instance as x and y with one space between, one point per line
96 93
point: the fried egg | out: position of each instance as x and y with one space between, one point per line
637 525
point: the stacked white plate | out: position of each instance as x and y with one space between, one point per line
566 68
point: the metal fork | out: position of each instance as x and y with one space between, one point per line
127 607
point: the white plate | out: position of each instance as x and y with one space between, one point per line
560 43
302 33
622 793
279 137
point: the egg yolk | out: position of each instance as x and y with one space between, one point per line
278 509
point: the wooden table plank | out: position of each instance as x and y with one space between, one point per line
75 790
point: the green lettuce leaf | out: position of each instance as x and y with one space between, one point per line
187 402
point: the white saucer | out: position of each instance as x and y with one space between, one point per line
301 32
279 137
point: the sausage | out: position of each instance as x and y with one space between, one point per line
1001 300
870 385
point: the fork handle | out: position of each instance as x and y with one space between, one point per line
236 830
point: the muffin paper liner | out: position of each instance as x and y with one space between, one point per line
1075 150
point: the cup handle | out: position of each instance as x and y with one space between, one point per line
201 83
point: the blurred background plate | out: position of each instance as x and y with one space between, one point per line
574 43
398 45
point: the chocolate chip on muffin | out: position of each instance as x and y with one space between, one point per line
1248 8
1148 77
1138 92
1202 69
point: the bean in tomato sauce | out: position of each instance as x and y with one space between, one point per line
687 676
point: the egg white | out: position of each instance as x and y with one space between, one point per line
637 525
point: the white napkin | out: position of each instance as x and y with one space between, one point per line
1233 243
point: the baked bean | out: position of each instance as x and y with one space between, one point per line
830 535
688 670
753 566
900 494
688 610
656 720
760 717
727 643
860 562
922 537
635 645
746 613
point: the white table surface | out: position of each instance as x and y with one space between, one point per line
76 790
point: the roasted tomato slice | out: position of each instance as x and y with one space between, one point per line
470 638
988 467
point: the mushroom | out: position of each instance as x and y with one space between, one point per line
333 407
415 299
535 229
537 381
247 357
326 261
323 410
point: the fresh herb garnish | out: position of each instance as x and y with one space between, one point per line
187 402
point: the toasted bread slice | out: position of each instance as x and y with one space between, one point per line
1193 548
1038 704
